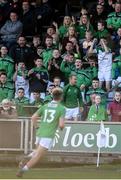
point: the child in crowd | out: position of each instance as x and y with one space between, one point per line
48 96
97 111
87 42
20 78
37 100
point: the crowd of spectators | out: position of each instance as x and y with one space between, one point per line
40 49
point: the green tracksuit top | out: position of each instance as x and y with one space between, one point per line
72 96
82 77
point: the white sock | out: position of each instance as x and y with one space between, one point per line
31 154
25 168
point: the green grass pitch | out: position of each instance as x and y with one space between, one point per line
110 171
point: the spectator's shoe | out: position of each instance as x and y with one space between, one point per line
20 173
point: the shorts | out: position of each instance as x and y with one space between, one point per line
44 142
71 113
104 76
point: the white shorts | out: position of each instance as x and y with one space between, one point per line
104 76
71 112
44 142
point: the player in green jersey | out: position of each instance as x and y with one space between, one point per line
52 115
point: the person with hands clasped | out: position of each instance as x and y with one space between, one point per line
38 78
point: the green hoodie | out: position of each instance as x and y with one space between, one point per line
6 91
7 64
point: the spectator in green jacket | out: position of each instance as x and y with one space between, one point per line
97 111
37 100
67 22
20 101
114 18
68 49
72 99
46 55
84 25
95 89
83 79
92 69
49 96
102 32
6 63
67 65
6 88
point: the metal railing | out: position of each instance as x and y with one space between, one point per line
14 134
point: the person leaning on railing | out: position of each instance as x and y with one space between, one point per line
7 111
97 111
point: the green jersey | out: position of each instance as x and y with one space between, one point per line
50 114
